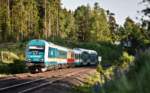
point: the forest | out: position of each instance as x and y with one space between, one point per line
86 27
22 20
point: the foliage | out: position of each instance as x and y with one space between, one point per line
136 80
24 20
8 57
18 66
12 62
133 36
126 58
146 12
99 26
113 26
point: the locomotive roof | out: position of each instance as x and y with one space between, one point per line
41 42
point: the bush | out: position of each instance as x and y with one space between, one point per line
18 66
137 80
3 68
142 60
126 61
8 57
126 58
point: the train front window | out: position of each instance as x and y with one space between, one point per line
36 50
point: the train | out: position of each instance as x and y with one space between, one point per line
42 55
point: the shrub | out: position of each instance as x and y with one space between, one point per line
126 58
8 57
126 61
17 67
3 68
137 80
142 60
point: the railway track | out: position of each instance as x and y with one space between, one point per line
32 85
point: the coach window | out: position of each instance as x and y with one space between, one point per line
62 54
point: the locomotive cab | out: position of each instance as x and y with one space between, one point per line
35 55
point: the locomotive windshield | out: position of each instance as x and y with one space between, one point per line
36 50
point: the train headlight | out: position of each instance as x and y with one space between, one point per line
29 60
42 60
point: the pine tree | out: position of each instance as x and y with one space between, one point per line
82 21
113 26
5 29
99 27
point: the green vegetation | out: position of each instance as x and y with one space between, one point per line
17 66
86 27
22 20
135 80
12 62
87 88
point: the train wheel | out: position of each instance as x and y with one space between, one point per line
64 66
72 65
32 70
59 66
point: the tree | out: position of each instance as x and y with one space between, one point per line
24 19
82 21
133 33
32 19
21 20
113 26
146 22
5 28
99 25
67 25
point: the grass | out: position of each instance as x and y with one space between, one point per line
88 86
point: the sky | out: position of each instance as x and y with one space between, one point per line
121 8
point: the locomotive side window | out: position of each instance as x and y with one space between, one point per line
51 52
